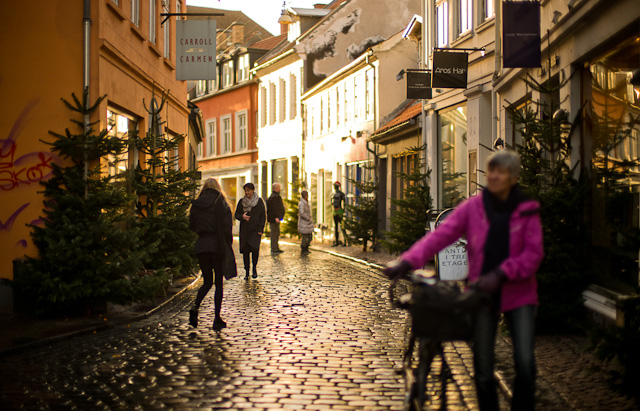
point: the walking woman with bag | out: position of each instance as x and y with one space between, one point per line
210 217
252 216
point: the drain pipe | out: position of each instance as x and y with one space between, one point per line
496 73
85 83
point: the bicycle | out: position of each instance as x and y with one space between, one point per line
439 312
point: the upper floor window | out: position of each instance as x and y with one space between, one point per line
227 73
272 103
212 85
337 106
243 67
120 125
356 106
293 101
282 100
166 34
345 97
466 15
442 23
152 21
241 130
328 111
199 154
212 134
226 134
135 12
369 93
263 106
321 114
178 9
489 9
201 88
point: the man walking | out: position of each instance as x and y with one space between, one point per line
275 215
337 200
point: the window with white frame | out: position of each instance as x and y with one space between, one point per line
328 111
152 21
166 34
212 85
369 93
282 100
442 23
243 67
227 73
293 101
176 158
345 98
263 106
199 150
241 130
201 88
356 106
465 15
337 106
226 134
212 133
120 125
272 103
135 12
321 114
489 9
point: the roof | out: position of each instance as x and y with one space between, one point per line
403 116
269 43
309 12
251 28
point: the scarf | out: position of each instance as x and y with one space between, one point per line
249 203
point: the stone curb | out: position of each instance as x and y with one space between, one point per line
94 329
502 382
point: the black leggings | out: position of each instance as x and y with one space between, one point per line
251 255
210 263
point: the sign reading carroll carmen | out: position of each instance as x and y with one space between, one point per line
452 262
195 49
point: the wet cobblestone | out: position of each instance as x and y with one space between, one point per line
310 333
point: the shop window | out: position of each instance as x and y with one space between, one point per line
280 174
121 125
453 156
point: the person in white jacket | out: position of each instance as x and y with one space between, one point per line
305 223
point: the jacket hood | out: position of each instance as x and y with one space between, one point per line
206 199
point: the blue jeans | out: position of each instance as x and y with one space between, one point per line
521 323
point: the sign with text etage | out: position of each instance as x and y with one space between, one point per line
452 263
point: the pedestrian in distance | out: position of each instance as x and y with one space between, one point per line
505 249
275 215
305 223
210 214
338 199
251 213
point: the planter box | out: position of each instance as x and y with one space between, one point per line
608 306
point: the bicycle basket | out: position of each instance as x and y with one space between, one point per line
442 312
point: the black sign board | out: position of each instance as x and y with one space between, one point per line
449 69
521 34
418 85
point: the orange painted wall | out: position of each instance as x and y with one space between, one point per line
41 55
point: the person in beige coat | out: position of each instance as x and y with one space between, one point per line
305 223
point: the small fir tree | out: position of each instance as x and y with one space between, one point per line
290 223
361 219
548 178
164 194
410 218
87 248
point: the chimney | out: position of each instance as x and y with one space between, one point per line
319 6
237 34
283 28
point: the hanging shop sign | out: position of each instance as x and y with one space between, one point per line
452 263
449 69
521 34
195 49
418 85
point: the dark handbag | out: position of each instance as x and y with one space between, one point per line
229 267
443 313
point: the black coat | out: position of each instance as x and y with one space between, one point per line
206 218
249 237
275 207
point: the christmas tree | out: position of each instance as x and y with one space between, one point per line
409 220
290 222
361 220
88 247
164 193
548 178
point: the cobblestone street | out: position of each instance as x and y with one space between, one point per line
310 333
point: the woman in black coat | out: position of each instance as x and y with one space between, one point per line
252 216
209 214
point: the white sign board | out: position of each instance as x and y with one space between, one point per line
452 263
196 50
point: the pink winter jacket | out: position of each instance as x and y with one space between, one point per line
525 247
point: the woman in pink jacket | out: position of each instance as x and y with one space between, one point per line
504 246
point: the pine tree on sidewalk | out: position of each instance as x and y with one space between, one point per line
361 220
164 192
88 247
290 221
409 219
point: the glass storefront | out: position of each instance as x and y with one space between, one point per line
453 156
612 115
280 175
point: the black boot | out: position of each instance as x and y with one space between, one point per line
193 317
246 276
255 272
218 323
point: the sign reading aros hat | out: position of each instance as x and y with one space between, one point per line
196 50
449 69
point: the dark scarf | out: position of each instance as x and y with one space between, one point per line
496 248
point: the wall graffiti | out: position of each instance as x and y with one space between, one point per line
27 169
8 224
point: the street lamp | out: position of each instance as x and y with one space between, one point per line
285 18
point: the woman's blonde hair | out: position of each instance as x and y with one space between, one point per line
213 183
